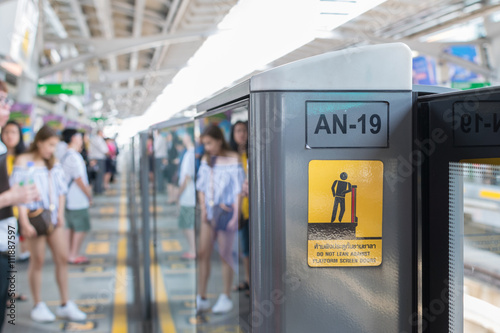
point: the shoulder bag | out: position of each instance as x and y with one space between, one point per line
221 216
41 218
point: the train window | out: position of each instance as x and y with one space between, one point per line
222 224
474 273
172 175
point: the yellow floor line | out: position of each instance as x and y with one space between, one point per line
164 314
495 195
120 324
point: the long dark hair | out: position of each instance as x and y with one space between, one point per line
215 133
232 143
3 86
45 133
20 147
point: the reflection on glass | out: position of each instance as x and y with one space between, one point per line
239 144
475 237
222 188
173 176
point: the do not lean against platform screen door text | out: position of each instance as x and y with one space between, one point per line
345 213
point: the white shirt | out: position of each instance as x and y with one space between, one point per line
98 148
74 168
160 146
188 196
5 223
61 150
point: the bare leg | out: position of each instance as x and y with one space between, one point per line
227 277
69 236
76 244
170 194
58 246
24 246
204 254
226 241
107 177
246 264
37 249
189 234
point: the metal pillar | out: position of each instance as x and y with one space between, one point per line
146 234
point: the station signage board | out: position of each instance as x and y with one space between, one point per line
349 124
71 88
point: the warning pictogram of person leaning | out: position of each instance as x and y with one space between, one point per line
345 205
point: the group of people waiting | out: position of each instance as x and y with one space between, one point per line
214 173
36 186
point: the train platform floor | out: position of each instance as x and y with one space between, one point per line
107 288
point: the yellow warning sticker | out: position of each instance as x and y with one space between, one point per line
345 213
492 161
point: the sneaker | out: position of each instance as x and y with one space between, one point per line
42 314
70 311
202 304
24 256
223 305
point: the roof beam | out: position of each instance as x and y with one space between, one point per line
105 17
103 48
140 6
80 18
134 75
463 18
168 27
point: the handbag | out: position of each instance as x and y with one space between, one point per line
41 218
220 216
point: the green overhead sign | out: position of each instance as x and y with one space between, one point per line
96 119
469 85
72 88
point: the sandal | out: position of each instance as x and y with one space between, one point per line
242 287
79 261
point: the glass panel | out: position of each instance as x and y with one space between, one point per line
172 173
474 247
223 300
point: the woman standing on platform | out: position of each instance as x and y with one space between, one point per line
48 176
219 184
12 137
239 144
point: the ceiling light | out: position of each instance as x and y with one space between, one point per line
252 35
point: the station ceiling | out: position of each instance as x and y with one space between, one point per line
130 50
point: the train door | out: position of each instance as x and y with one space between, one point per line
172 175
459 141
334 242
222 220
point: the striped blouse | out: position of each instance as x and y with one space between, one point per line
41 180
224 187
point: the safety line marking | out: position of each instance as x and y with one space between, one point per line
90 301
171 245
164 313
102 237
107 210
179 271
489 194
90 274
120 323
97 248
